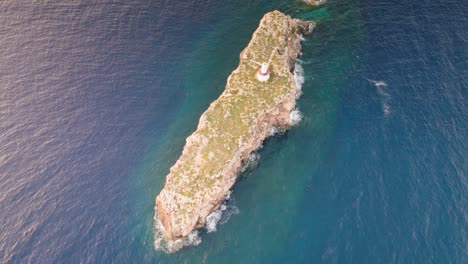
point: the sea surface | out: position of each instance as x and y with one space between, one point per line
97 98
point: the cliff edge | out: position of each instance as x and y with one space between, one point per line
233 127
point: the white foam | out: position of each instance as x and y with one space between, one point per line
193 239
295 116
251 162
384 95
228 196
378 83
224 212
273 131
381 86
254 156
220 215
228 212
213 219
386 108
298 78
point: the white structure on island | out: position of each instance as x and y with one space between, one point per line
263 74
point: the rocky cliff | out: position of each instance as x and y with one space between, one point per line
233 127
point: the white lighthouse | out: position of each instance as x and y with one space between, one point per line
263 74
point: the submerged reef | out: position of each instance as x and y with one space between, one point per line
233 127
315 2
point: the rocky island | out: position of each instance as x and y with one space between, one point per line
233 127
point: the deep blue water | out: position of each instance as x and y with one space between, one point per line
97 98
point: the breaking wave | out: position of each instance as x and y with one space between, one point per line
213 219
220 215
193 239
298 78
273 131
384 95
295 116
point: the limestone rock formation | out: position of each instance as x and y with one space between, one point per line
233 127
315 2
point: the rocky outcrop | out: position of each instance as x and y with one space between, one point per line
315 2
233 127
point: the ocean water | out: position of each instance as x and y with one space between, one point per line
97 98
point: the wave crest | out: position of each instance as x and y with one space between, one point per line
384 95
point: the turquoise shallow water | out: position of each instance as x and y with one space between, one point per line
97 98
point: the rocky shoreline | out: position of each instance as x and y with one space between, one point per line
232 128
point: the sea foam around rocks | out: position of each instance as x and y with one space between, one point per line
220 215
298 78
161 244
296 115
